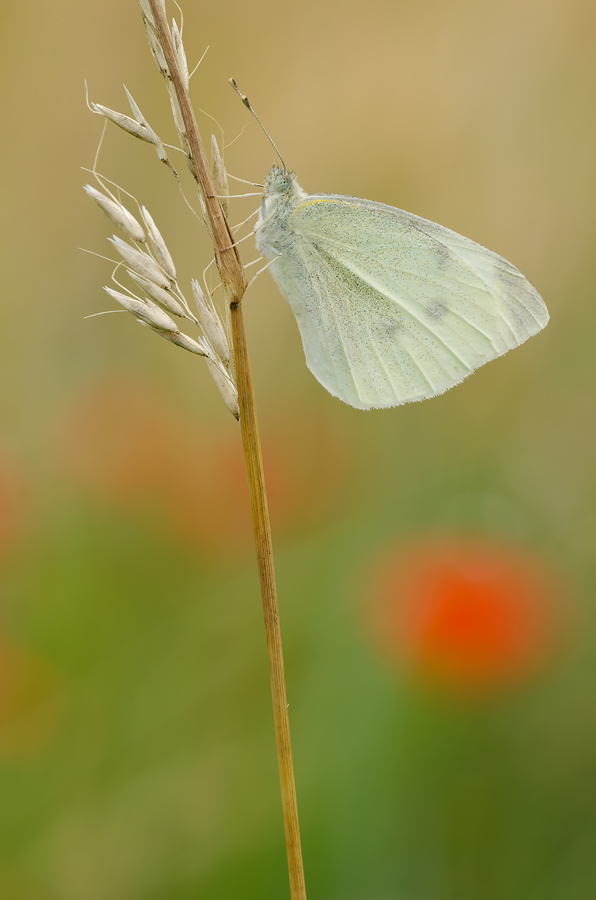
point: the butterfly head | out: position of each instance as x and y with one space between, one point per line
281 184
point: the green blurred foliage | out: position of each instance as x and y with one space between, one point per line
137 757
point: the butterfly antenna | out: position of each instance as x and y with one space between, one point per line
246 102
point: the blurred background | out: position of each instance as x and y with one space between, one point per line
436 562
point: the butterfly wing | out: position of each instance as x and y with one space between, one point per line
394 308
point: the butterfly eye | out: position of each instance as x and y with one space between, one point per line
282 183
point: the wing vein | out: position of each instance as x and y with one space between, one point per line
325 263
425 277
389 296
334 313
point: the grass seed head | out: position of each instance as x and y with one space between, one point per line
225 386
141 263
117 213
180 53
184 341
157 52
211 323
158 245
144 310
147 11
124 122
141 120
220 176
159 296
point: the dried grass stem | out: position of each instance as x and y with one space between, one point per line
264 550
234 282
228 259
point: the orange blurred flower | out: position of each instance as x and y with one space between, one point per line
123 444
470 614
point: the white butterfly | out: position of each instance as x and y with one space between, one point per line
391 307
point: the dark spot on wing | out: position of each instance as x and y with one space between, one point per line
443 256
385 326
436 309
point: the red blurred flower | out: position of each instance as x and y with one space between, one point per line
467 613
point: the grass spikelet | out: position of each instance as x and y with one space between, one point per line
144 310
220 176
160 296
141 263
158 245
211 323
117 214
131 126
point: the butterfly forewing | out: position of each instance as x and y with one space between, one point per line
393 308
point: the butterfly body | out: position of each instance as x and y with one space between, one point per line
391 308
